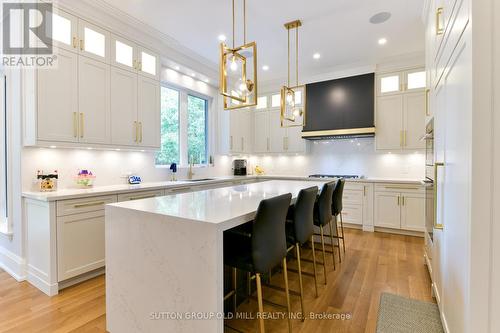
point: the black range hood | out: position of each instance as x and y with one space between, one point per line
341 108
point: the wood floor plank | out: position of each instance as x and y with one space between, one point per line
373 263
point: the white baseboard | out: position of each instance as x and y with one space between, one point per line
37 279
13 264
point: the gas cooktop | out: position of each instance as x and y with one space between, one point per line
335 176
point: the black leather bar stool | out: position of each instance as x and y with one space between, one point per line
263 248
300 230
337 211
323 216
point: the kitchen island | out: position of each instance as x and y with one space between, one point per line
164 256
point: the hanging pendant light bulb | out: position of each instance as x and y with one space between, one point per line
238 85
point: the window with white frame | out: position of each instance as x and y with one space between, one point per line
184 127
4 211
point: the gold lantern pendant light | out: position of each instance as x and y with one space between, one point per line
238 70
293 98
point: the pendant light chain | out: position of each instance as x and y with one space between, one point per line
297 56
244 22
288 81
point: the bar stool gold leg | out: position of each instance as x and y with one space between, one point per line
285 277
297 246
314 266
332 243
249 286
342 227
323 248
235 287
261 306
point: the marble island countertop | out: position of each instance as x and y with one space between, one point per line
72 193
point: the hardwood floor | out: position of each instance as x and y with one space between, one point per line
374 263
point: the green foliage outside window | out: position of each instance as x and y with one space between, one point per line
197 134
169 152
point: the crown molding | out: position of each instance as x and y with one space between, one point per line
121 23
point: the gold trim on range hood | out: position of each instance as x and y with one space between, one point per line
347 131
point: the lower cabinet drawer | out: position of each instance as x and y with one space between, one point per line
354 197
80 244
352 214
77 206
140 195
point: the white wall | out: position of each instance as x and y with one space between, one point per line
356 156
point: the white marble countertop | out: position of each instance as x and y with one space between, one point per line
64 194
219 206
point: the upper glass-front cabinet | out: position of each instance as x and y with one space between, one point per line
148 63
398 82
415 80
94 41
123 53
130 56
65 30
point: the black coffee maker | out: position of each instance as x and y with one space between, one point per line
240 167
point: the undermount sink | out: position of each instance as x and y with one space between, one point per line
197 180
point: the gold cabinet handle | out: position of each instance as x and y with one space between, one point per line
75 124
89 204
439 14
436 166
75 42
142 197
427 93
402 201
364 190
136 129
398 199
81 125
401 188
140 65
82 45
135 64
140 125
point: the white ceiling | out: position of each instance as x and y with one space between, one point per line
338 29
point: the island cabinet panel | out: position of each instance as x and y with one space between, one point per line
80 244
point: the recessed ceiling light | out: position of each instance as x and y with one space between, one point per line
222 38
206 80
265 68
193 74
53 147
380 17
316 55
382 41
177 68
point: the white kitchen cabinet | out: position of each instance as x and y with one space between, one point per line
94 41
401 115
261 137
123 107
240 131
412 212
399 207
83 101
57 102
414 120
64 30
148 113
94 101
387 210
277 134
389 122
389 84
80 246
